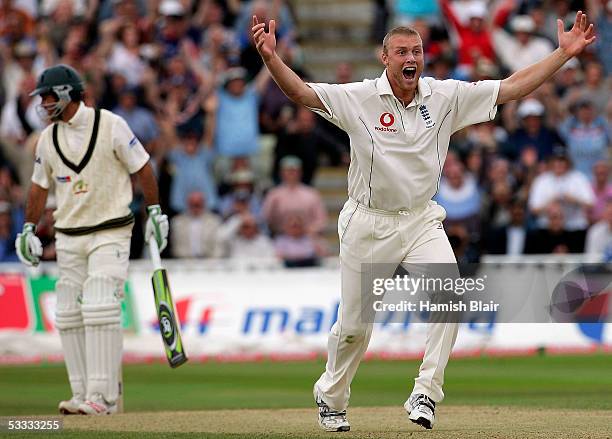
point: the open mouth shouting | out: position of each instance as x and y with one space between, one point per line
409 72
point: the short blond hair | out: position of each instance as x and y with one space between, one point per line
399 30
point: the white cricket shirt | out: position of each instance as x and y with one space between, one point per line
397 153
90 167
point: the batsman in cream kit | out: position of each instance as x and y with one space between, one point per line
399 127
86 156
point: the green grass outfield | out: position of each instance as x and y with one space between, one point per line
572 382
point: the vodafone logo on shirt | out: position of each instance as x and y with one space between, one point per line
386 120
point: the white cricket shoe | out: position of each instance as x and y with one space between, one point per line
70 407
97 406
331 420
421 410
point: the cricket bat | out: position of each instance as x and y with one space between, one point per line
168 322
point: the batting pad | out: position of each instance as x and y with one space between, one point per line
69 322
102 318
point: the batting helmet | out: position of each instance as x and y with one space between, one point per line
62 81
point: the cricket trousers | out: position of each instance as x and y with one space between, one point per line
92 273
370 236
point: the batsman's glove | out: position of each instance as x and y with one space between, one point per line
157 226
28 246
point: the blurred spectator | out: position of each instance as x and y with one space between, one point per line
567 77
140 120
15 23
191 162
474 36
265 10
406 11
70 8
460 196
54 27
29 6
599 236
595 88
276 109
219 49
434 39
195 233
601 13
344 73
510 238
19 117
568 188
554 236
295 245
499 207
293 197
545 16
184 91
132 11
379 21
244 240
526 170
304 139
7 235
486 136
532 132
174 27
238 104
439 67
12 193
486 69
587 136
462 244
242 198
333 134
602 188
18 65
521 48
474 164
226 170
121 45
74 50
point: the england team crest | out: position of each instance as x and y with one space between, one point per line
429 123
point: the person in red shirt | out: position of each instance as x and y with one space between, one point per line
15 24
474 36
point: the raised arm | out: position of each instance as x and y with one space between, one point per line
288 81
450 15
571 43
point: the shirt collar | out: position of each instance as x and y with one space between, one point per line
79 118
384 88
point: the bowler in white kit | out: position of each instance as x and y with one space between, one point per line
86 156
399 127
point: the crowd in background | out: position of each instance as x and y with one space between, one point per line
185 76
